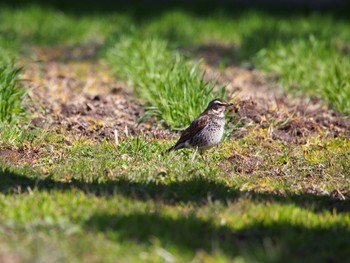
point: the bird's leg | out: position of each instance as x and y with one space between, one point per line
194 153
203 156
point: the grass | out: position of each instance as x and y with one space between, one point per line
328 78
47 26
110 228
256 199
317 53
172 86
312 60
12 113
11 94
172 209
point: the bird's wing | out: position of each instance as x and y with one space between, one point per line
196 126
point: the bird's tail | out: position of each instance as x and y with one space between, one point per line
175 147
172 148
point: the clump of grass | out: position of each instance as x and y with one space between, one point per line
312 66
172 86
11 94
11 102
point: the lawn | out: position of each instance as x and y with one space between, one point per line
73 76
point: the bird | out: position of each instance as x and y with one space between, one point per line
206 130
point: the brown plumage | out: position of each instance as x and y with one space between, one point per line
206 130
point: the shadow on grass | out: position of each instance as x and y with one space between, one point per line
275 242
264 37
149 8
141 13
198 190
262 242
267 37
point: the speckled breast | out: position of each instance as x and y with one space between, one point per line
210 135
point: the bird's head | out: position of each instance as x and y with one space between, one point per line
218 107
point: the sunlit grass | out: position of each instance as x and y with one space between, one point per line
12 111
310 66
307 50
253 199
37 25
11 93
131 197
172 85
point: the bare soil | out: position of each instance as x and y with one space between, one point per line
260 101
78 95
73 91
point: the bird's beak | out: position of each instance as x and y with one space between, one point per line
229 104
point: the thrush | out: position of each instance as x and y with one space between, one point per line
206 130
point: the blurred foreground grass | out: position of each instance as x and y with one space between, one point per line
91 202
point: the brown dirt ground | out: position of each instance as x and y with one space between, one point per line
73 91
259 101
